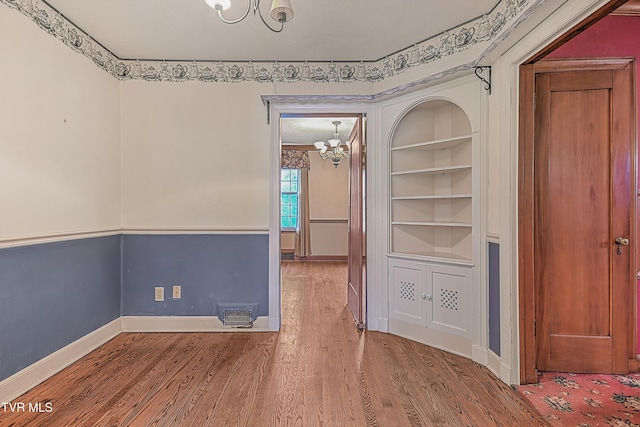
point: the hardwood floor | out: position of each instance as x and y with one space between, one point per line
317 371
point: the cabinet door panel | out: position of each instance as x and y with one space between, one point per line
449 289
408 281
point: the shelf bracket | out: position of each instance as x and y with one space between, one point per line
487 81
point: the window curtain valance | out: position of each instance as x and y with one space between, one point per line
295 159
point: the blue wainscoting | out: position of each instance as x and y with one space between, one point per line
53 294
212 269
494 297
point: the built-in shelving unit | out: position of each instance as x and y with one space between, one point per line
435 265
431 183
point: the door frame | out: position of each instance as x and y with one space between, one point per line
526 187
276 110
552 36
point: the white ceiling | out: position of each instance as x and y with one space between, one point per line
321 30
307 130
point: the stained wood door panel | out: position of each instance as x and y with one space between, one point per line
579 81
564 353
583 158
579 171
357 256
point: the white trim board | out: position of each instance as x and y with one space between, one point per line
26 240
34 374
196 230
186 324
498 368
449 343
299 107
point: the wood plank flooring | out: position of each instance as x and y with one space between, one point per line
317 371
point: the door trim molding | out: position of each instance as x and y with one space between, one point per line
587 64
526 254
526 187
304 108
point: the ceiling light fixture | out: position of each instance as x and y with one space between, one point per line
281 11
336 153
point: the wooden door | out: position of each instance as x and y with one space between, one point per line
583 165
356 282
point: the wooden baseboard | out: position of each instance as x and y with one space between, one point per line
323 258
634 365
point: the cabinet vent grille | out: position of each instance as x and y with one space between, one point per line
408 291
449 299
237 319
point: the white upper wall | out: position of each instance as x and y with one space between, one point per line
328 188
329 199
194 156
59 136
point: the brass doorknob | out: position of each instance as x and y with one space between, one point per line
622 241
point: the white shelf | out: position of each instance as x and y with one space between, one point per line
438 144
434 197
443 257
433 223
431 186
441 169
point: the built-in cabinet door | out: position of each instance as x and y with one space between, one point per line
408 291
449 290
434 296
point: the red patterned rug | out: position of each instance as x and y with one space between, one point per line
586 400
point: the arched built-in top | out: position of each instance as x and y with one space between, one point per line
431 183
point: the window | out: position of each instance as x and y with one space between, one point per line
289 199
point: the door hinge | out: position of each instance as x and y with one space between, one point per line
535 328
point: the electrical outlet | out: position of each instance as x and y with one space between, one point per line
177 291
159 293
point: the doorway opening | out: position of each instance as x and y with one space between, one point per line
553 76
321 199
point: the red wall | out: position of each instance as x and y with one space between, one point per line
613 36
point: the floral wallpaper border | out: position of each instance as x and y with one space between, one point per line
483 29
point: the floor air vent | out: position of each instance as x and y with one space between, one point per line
237 318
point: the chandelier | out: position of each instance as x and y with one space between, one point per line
281 11
333 148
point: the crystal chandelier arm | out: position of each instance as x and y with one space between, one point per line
256 7
235 21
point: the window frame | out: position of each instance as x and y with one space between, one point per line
296 193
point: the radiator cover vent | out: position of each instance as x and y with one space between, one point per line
237 318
